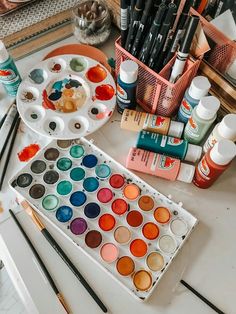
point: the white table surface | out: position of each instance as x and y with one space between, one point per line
207 261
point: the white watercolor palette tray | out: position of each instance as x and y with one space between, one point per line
127 227
66 97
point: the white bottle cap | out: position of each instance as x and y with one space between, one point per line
208 107
227 127
199 87
4 55
194 153
186 173
223 152
128 71
176 129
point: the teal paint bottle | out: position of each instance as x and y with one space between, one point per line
199 88
9 75
127 85
170 146
203 115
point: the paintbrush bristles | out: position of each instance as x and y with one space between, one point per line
32 214
63 302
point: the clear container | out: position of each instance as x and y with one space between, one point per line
92 22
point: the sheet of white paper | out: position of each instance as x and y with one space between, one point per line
226 24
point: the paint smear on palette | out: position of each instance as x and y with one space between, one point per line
28 152
104 92
1 208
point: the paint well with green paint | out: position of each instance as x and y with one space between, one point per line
78 64
103 171
64 187
50 202
64 164
77 151
77 174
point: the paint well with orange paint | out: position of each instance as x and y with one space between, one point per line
138 248
125 266
146 203
28 152
96 74
162 215
150 231
142 280
131 191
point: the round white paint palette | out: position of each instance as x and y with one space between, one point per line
66 97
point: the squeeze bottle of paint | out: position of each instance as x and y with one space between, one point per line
159 165
136 121
214 163
203 115
170 146
199 88
127 85
226 129
9 75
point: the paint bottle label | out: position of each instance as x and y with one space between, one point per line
10 77
211 141
192 129
185 111
154 164
126 98
156 124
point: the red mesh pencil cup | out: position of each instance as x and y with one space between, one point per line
155 94
224 51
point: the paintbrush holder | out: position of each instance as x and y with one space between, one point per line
92 22
155 94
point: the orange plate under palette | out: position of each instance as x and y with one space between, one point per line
130 230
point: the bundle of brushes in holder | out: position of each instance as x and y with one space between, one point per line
158 38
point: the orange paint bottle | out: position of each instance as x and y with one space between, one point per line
214 163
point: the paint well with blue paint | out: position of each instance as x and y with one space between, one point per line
64 213
64 187
90 161
77 151
90 184
77 174
92 210
78 198
103 171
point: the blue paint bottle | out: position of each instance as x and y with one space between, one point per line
199 88
127 85
9 75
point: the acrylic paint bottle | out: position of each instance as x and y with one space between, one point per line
214 163
199 88
203 115
9 75
159 165
170 146
136 121
226 129
127 85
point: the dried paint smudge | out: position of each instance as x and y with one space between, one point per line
28 152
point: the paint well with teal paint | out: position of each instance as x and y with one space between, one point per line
90 184
92 210
64 164
64 187
77 151
50 202
90 161
64 213
78 198
103 171
77 174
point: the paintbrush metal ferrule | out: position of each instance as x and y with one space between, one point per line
33 215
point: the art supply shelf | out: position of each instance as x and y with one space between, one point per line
155 93
106 211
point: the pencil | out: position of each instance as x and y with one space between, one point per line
8 158
212 306
43 267
62 254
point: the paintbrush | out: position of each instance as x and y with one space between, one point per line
62 254
212 306
41 263
5 115
8 157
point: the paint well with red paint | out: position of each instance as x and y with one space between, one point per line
28 152
96 74
104 92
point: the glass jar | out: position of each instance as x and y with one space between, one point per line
92 22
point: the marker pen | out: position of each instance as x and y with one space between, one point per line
184 49
154 30
132 6
136 16
160 40
124 20
137 41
